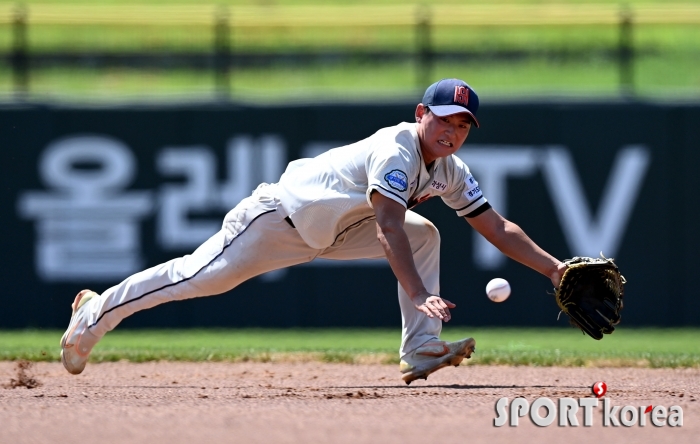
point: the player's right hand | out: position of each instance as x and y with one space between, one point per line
436 306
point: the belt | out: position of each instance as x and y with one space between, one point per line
289 221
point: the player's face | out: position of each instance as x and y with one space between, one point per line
441 136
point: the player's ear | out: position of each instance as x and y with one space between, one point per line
420 112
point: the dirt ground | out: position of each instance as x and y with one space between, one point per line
325 403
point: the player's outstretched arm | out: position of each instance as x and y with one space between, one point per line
390 219
514 243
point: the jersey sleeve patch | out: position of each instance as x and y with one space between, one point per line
471 199
472 189
397 180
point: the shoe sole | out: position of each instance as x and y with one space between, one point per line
450 359
75 306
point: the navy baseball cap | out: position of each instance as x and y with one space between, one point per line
451 96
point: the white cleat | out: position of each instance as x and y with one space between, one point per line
432 356
77 342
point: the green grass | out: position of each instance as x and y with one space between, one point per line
343 2
484 39
668 62
675 75
627 347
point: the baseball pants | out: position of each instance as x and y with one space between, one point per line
255 238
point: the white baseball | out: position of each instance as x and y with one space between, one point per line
498 290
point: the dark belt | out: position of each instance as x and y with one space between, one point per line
289 221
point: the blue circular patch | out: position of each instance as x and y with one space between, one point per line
397 180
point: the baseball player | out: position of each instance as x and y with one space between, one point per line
348 203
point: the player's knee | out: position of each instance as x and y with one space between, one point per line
430 233
434 232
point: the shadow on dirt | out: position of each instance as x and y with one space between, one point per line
465 387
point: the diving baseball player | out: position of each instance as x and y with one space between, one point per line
347 203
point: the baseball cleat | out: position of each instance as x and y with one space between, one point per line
77 341
432 356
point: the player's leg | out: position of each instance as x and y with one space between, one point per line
361 242
422 352
254 239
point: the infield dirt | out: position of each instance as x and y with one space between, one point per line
167 402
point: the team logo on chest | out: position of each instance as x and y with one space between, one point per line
397 180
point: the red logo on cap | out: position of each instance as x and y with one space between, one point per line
461 95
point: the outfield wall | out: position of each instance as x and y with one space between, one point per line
91 195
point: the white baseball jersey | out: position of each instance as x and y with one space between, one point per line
324 197
330 193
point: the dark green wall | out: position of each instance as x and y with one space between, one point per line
656 247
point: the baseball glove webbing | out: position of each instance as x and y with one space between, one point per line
591 293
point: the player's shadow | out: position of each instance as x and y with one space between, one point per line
464 387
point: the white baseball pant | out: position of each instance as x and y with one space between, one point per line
254 239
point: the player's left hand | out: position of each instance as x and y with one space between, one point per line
436 306
558 274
